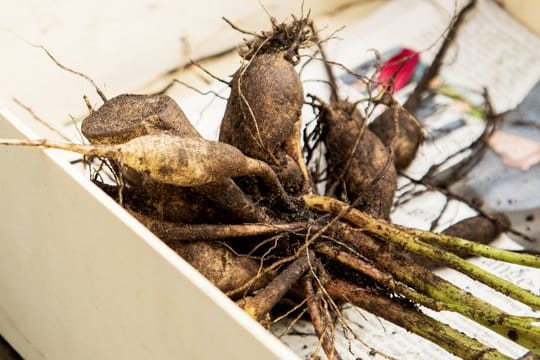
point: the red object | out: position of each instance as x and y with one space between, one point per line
400 68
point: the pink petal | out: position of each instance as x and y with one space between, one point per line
400 68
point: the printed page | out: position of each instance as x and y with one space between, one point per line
491 50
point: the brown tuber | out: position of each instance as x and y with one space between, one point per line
175 160
126 117
264 106
360 169
168 203
226 270
398 128
263 114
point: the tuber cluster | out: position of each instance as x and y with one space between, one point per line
245 210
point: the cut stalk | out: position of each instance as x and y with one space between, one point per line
413 244
471 248
391 259
413 320
508 325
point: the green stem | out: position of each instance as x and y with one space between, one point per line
394 261
413 244
471 248
518 327
413 320
431 290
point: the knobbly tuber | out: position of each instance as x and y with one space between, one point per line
398 128
126 117
167 203
360 169
226 270
263 114
264 106
174 160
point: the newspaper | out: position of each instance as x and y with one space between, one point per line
492 51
